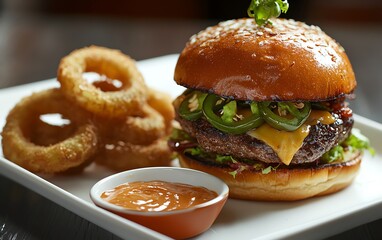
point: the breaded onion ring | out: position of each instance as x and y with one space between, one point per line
153 122
162 102
47 156
114 65
120 156
142 128
45 134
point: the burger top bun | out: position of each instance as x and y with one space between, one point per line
286 60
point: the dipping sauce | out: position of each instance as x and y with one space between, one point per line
155 196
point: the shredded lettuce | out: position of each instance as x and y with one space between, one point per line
356 141
359 141
224 158
334 154
179 134
229 111
196 151
269 169
238 170
255 108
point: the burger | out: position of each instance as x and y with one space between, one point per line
266 110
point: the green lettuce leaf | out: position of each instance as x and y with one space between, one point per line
359 141
356 141
334 154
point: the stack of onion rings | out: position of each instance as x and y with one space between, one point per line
138 141
119 127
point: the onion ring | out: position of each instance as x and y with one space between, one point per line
162 102
45 134
143 128
154 121
113 64
47 157
120 156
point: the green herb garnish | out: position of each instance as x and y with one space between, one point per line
262 10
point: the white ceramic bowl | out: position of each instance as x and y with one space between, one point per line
177 224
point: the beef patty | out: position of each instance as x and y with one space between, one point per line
321 139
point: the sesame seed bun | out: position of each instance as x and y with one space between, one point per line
281 61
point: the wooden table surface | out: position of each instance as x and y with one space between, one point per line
30 50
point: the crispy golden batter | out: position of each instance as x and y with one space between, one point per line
111 63
120 156
143 128
162 102
53 155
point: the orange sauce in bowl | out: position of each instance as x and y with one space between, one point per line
156 196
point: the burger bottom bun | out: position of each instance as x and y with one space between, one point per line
283 184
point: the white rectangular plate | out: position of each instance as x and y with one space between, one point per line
313 218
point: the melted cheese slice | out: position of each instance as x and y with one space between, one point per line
285 143
318 116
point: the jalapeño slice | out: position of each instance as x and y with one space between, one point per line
246 116
291 121
191 106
